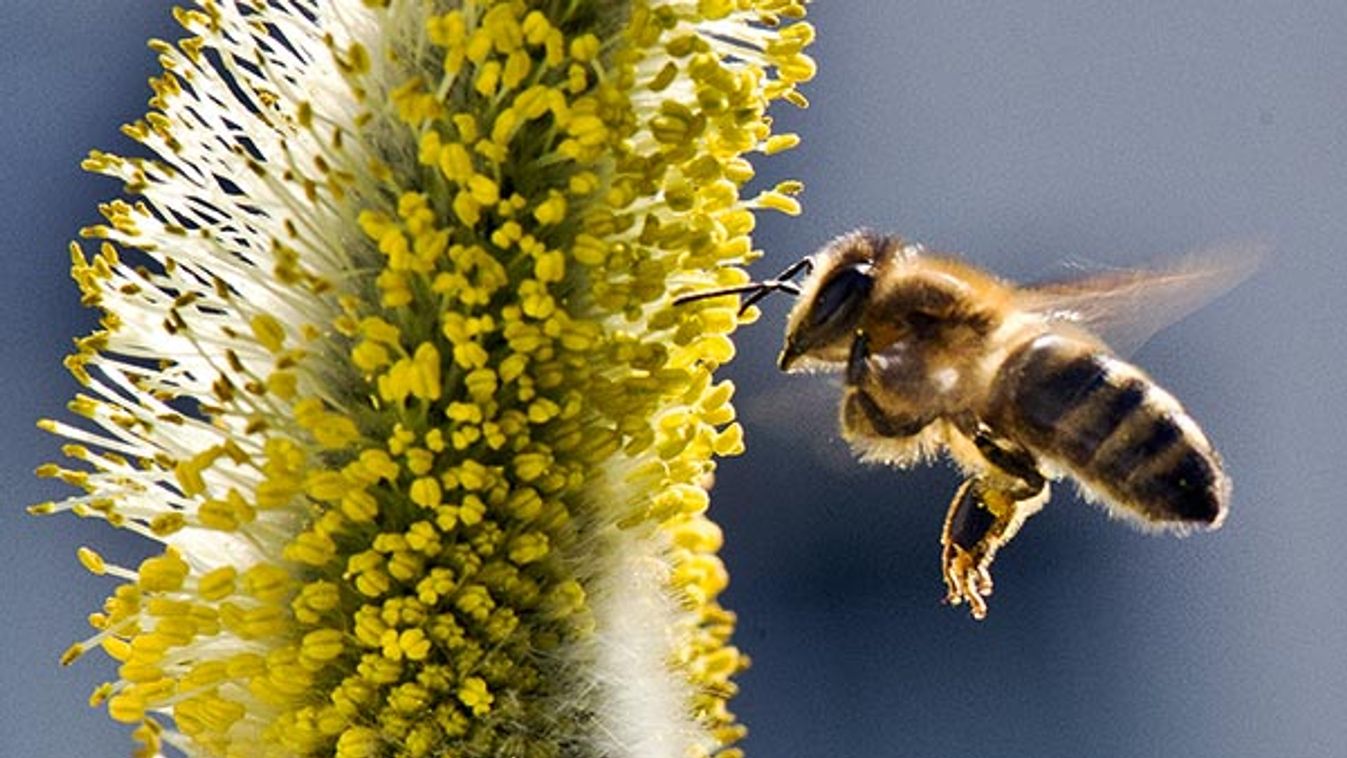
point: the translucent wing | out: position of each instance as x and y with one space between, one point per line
800 414
1126 307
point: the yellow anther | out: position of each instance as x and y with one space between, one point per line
481 384
414 644
585 48
552 210
472 512
268 331
484 190
502 24
419 460
335 431
780 142
321 646
267 582
530 466
474 695
427 153
328 486
466 125
126 708
259 623
796 68
543 410
525 503
470 355
283 384
163 573
189 472
527 548
72 654
589 250
697 534
447 29
217 584
426 492
535 27
379 330
359 742
517 68
468 210
379 464
226 515
369 356
435 440
92 561
729 441
359 506
311 548
455 162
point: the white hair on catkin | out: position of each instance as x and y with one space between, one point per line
644 705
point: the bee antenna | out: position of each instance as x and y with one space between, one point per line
782 282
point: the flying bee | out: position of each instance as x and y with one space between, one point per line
1019 385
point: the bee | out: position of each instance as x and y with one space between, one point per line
1020 386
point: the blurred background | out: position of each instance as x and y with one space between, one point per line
1024 137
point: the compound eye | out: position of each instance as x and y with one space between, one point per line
846 290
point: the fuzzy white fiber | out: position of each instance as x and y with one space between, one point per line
643 703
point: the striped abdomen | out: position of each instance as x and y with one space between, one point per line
1116 431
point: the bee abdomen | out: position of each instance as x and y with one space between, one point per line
1120 434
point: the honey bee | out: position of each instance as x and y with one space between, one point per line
1018 385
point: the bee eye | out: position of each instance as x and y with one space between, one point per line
843 292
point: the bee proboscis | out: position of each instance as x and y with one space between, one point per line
1019 385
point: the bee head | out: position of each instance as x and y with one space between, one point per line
832 301
832 298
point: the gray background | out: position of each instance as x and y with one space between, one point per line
1022 134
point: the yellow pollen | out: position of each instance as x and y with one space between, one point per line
419 380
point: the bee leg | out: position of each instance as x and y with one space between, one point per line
986 513
859 409
1011 459
858 360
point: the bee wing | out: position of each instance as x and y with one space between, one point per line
1126 307
800 413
